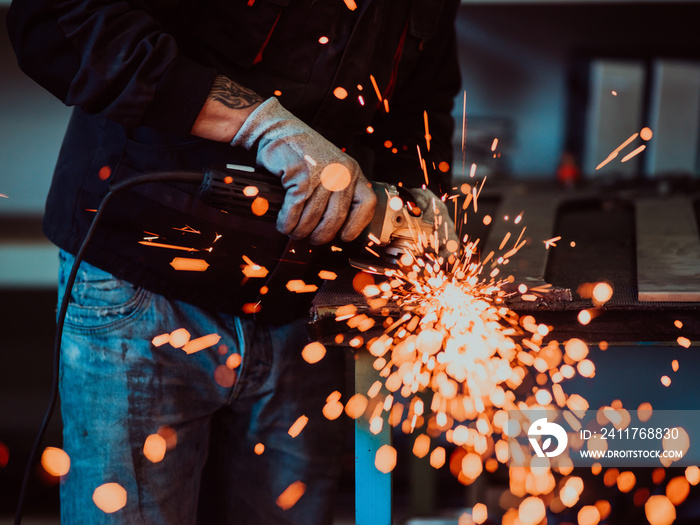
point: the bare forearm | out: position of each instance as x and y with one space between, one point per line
227 107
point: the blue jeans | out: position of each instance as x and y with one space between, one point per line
117 388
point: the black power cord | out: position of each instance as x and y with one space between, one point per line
191 177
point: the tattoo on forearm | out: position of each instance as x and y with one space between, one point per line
233 95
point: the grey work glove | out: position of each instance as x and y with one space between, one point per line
436 214
326 191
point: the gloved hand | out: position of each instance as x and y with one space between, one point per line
436 214
326 191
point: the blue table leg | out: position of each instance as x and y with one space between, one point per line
372 488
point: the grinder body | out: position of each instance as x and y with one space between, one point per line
397 223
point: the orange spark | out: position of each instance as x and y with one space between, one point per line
170 436
189 265
427 130
179 337
332 409
154 448
395 203
195 345
55 461
616 151
479 513
504 240
250 191
224 376
187 229
385 459
233 361
351 4
659 510
677 490
692 474
356 342
356 406
298 426
251 308
253 270
160 340
531 511
684 342
423 165
421 446
437 458
551 242
602 293
109 497
4 455
646 134
104 173
259 448
313 352
658 476
323 40
259 206
588 515
296 490
626 481
335 177
376 87
170 246
452 246
634 153
299 286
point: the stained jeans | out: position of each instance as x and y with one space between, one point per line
117 388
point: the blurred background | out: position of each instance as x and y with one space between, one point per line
560 84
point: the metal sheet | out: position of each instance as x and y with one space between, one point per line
668 250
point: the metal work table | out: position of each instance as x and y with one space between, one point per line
640 238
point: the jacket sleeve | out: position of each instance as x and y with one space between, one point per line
428 88
111 59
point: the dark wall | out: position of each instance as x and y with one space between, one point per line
528 63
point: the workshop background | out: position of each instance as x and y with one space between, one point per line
537 75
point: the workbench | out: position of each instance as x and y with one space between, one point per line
640 237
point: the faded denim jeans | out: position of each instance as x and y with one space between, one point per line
117 388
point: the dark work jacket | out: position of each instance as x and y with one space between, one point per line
138 72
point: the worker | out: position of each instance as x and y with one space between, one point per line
300 89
